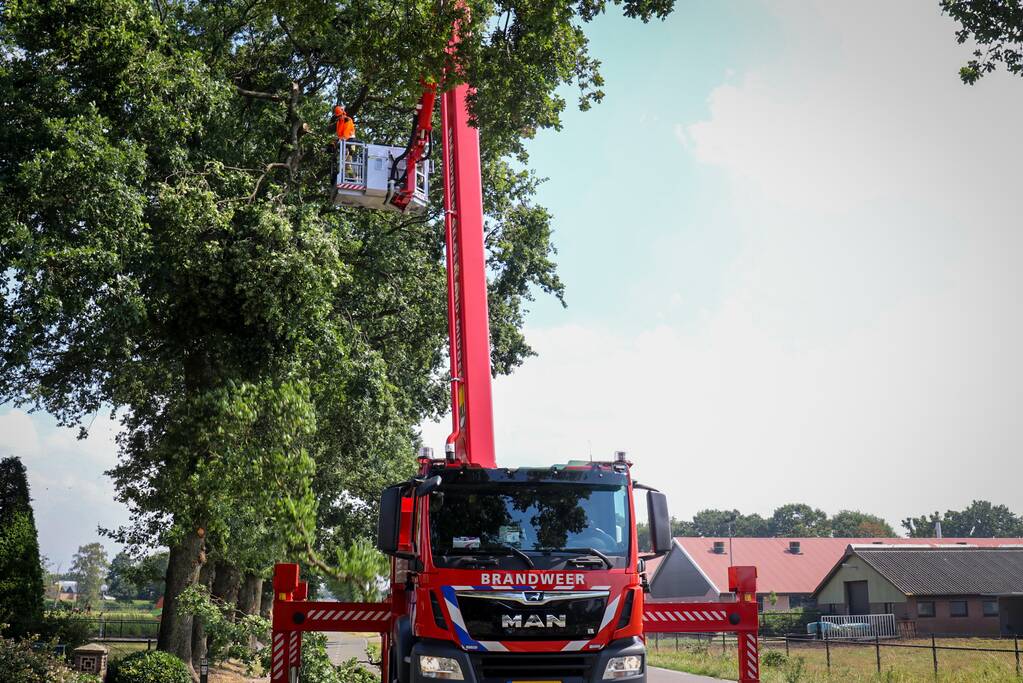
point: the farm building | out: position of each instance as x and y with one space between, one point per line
789 569
957 589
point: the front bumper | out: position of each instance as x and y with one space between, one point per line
502 667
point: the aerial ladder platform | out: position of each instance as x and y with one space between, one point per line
428 627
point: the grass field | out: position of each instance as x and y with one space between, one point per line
807 663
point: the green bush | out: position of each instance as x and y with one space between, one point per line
64 627
21 661
151 666
772 658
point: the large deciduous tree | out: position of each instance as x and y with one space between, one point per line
89 569
799 520
21 571
167 247
855 524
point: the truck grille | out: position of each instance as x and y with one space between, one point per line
523 666
489 618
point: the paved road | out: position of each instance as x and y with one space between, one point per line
341 647
655 675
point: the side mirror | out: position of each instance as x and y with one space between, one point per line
659 521
428 486
389 522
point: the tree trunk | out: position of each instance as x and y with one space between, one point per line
250 597
183 565
198 627
226 586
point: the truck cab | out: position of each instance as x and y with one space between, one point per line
524 574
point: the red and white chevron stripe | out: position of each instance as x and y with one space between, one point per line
348 615
749 657
350 186
278 659
682 615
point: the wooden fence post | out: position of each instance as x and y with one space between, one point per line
827 646
934 654
1015 641
877 648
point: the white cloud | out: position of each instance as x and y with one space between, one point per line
71 496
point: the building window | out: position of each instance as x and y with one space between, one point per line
990 608
925 609
958 608
796 602
760 603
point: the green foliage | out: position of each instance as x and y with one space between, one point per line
89 569
854 524
22 662
794 670
773 658
21 571
362 565
980 519
996 28
147 575
66 627
120 583
792 520
799 520
229 633
151 666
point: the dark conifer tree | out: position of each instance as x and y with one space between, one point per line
21 574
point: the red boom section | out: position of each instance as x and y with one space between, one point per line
472 417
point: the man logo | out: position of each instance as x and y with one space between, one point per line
533 596
533 621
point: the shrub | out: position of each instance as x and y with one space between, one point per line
773 658
64 627
151 666
22 662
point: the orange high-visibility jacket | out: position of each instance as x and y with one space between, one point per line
344 125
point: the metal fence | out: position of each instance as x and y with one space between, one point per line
859 626
828 649
123 629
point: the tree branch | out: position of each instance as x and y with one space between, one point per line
255 94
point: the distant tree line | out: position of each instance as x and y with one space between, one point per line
980 519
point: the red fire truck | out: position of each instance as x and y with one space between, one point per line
498 574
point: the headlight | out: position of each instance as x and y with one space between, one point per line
622 667
440 667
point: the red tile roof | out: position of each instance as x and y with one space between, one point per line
779 571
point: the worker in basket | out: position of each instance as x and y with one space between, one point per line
344 127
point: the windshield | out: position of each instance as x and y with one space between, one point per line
552 524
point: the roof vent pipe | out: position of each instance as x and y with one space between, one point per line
719 547
937 529
794 548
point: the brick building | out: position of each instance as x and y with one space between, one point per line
789 569
948 589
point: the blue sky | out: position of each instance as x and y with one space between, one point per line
790 238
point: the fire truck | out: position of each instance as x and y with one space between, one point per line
498 575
